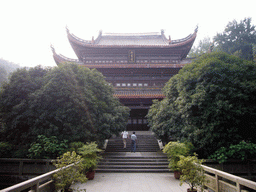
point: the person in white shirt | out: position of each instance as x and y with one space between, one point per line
133 146
125 135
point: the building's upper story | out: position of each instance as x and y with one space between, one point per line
132 50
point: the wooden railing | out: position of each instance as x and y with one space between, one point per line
220 181
40 183
25 167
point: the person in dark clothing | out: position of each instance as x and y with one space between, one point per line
133 145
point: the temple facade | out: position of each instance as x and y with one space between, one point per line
138 65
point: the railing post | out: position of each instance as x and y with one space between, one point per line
21 168
238 187
217 182
35 188
47 166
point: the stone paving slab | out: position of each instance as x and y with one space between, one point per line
131 182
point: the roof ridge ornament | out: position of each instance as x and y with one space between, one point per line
196 29
67 29
53 50
100 33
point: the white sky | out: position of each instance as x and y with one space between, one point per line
29 27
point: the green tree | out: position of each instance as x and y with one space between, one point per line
3 75
215 103
67 176
69 101
238 39
45 148
204 46
164 117
6 68
15 101
77 104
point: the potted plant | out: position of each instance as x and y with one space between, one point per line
192 172
67 176
174 150
90 153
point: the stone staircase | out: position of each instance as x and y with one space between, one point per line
145 143
148 156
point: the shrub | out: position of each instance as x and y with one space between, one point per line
66 177
242 151
90 153
74 146
174 150
46 148
5 149
192 171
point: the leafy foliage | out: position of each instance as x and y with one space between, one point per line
242 151
74 146
238 39
204 46
45 148
6 68
5 149
69 102
3 75
213 103
192 171
68 176
164 117
174 150
90 153
14 104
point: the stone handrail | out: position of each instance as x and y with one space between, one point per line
221 181
35 184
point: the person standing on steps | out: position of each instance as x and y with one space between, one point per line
133 145
125 135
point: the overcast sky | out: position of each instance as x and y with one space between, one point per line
29 27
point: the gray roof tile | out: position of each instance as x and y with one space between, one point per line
132 39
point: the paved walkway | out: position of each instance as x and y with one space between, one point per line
132 182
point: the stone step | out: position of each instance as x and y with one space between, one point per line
137 147
133 160
142 144
133 170
133 163
129 141
129 150
128 167
129 144
148 156
121 144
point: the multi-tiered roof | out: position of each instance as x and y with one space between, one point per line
90 52
148 59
